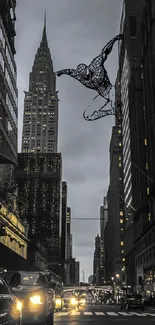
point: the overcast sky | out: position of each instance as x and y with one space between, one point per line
76 31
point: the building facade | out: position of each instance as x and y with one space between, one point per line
96 261
114 249
39 200
72 270
40 122
68 261
77 272
130 74
64 232
103 222
144 222
13 240
8 84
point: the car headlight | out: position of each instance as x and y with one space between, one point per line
83 301
36 300
58 301
74 301
19 306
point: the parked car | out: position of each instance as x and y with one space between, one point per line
132 301
35 294
10 307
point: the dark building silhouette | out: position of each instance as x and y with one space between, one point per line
103 222
8 84
72 270
68 245
77 272
39 194
144 219
133 128
96 261
64 232
114 246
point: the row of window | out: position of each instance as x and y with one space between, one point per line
7 52
11 109
11 86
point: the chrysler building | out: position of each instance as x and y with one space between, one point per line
40 121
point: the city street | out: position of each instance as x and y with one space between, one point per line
107 314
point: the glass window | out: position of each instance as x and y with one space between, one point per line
3 288
122 243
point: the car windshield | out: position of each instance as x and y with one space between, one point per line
3 288
29 279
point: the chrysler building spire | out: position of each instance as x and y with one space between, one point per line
44 37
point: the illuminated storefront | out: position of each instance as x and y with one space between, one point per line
13 245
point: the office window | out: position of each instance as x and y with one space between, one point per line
122 243
132 26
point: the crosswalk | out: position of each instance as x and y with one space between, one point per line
110 313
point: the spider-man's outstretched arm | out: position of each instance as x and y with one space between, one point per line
109 46
70 72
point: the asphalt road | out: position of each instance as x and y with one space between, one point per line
107 315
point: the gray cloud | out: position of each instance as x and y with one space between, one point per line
77 31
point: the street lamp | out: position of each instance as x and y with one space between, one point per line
118 277
113 289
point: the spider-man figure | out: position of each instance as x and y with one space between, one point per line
94 76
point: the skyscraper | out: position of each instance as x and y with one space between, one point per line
77 272
64 230
8 81
39 165
96 261
68 243
133 129
40 122
38 179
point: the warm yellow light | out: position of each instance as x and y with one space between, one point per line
83 301
19 305
122 243
74 301
36 300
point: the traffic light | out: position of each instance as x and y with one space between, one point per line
2 231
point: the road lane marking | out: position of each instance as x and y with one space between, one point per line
110 313
63 314
99 314
86 313
75 313
124 314
136 314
